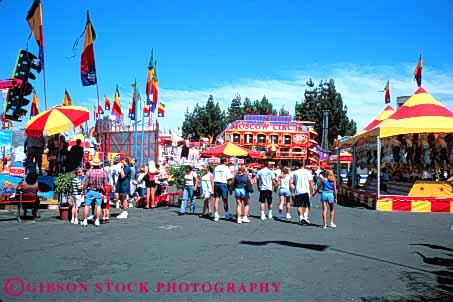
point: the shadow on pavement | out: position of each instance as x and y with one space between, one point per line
315 247
436 285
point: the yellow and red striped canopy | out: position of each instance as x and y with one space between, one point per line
388 111
56 120
230 149
420 114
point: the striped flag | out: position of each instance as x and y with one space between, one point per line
161 110
418 72
116 109
34 20
106 103
34 105
67 99
87 63
100 109
154 89
149 80
146 110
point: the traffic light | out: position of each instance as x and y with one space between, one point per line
15 101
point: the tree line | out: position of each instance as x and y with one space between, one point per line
210 120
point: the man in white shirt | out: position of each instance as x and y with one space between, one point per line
277 171
302 188
266 181
222 177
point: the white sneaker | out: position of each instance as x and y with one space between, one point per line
123 215
333 225
288 216
131 205
324 227
239 219
76 220
270 215
263 216
72 220
84 223
96 222
216 217
245 219
91 217
306 220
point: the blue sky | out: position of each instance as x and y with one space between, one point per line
253 48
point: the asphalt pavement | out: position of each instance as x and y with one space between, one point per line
155 255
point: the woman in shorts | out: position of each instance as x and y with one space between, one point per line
150 183
284 193
207 187
328 189
240 181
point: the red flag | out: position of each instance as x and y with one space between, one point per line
418 72
387 93
34 105
100 109
87 63
149 80
106 103
146 110
34 19
116 109
154 89
95 113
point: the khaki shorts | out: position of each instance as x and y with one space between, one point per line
76 199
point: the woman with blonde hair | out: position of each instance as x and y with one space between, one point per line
328 189
284 180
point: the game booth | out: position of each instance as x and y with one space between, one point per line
409 153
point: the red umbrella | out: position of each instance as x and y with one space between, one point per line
230 149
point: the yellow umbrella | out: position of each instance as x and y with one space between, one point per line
56 120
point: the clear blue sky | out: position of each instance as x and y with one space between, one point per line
249 47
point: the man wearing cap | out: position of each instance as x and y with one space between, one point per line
93 185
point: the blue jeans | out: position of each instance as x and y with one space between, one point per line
188 194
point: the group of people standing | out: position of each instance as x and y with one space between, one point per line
294 185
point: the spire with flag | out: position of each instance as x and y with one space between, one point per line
34 20
149 80
34 105
146 110
130 113
387 93
154 89
67 99
106 103
418 72
116 109
134 101
161 110
87 63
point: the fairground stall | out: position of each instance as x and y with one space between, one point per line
409 155
275 137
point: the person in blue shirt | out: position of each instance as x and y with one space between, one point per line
328 188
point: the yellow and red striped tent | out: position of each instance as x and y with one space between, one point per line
420 114
385 114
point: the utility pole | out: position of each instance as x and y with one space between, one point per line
325 130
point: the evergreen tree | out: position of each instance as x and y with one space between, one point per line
235 111
204 120
247 106
325 97
283 111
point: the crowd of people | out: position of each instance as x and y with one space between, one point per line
222 181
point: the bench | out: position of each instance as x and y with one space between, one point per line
21 199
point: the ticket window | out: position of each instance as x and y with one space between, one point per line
261 139
248 139
287 139
236 138
274 139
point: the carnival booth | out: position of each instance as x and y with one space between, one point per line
409 153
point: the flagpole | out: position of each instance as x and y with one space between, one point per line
45 90
143 134
135 120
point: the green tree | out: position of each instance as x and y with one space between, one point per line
283 111
263 107
235 111
204 120
247 106
325 97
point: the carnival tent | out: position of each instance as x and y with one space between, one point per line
230 149
385 114
420 114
